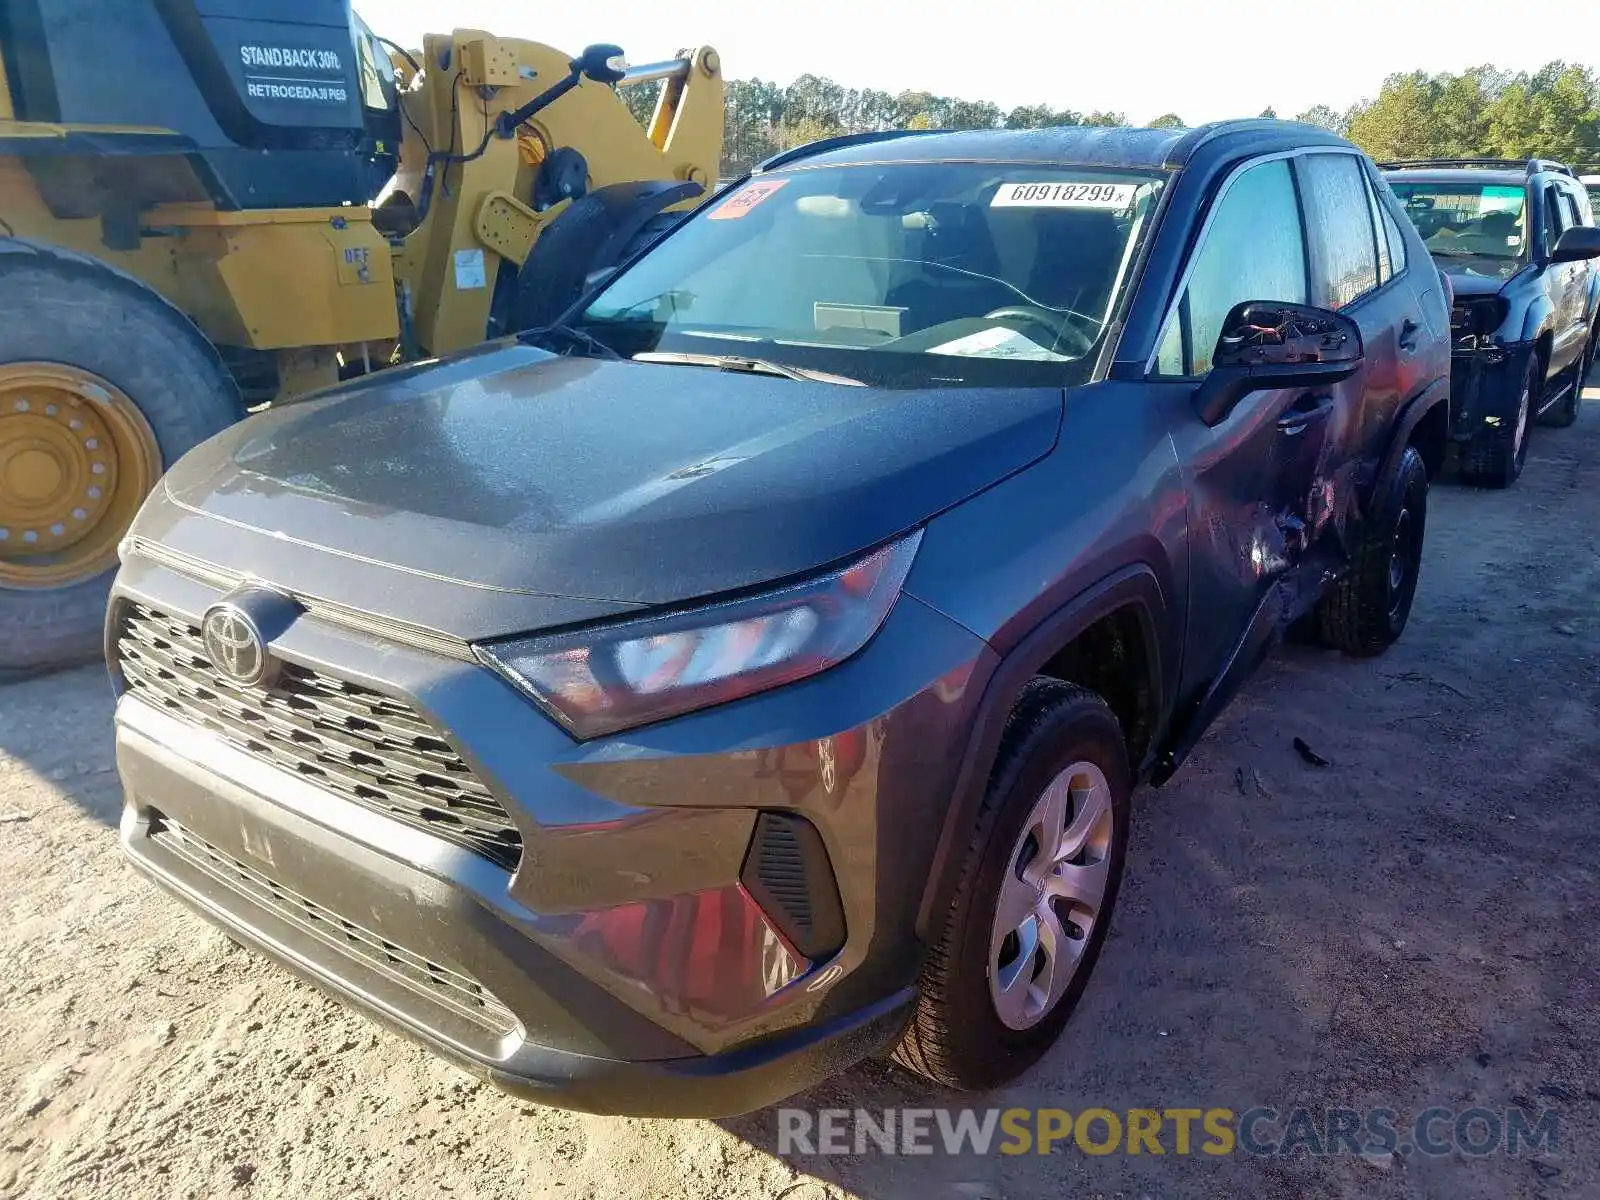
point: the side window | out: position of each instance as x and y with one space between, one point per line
1555 221
1344 249
1569 209
1585 199
1396 239
1254 249
1385 253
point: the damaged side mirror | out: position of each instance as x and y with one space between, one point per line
1266 345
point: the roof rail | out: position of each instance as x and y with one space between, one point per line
1184 149
1550 164
1528 166
784 157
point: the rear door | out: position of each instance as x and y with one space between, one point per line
1352 272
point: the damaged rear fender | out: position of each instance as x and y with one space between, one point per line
1424 421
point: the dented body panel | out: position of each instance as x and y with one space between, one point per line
1103 526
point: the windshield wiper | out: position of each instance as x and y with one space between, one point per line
740 362
572 336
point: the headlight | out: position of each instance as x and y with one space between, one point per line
1477 316
601 680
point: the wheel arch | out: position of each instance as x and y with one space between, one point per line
1127 609
1539 320
1424 422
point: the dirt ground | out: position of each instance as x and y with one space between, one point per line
1412 925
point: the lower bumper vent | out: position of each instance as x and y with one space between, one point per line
788 874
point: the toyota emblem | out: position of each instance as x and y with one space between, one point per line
234 643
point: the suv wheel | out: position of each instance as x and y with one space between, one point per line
1368 608
1035 895
1495 458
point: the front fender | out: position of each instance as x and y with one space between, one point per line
1137 588
1538 320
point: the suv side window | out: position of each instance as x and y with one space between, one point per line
1569 209
1254 249
1385 250
1344 251
1555 221
1389 234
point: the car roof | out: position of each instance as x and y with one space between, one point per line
1459 175
1075 145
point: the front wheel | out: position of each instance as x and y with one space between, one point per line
1368 608
1035 895
1497 455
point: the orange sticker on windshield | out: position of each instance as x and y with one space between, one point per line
746 198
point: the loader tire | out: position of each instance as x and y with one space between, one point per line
103 385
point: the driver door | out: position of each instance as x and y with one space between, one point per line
1251 478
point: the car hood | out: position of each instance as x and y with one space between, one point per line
1466 282
574 488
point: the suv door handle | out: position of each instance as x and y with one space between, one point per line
1408 334
1300 415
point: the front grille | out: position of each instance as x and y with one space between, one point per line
366 747
459 992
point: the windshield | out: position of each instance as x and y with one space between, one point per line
1475 221
900 275
377 72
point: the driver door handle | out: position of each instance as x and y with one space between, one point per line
1303 412
1408 334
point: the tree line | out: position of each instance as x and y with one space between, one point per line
1551 113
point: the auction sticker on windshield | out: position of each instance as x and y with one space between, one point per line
746 198
1064 195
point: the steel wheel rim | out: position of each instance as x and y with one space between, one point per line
1401 552
1052 896
77 458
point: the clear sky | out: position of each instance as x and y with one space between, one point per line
1203 59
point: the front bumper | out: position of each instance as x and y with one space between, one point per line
1485 386
624 966
290 887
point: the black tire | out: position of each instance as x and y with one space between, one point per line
1566 413
596 231
956 1038
66 308
1367 610
1495 457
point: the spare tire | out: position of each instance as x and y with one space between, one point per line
103 385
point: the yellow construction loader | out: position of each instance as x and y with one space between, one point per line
206 205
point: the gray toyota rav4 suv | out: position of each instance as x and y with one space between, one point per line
662 710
